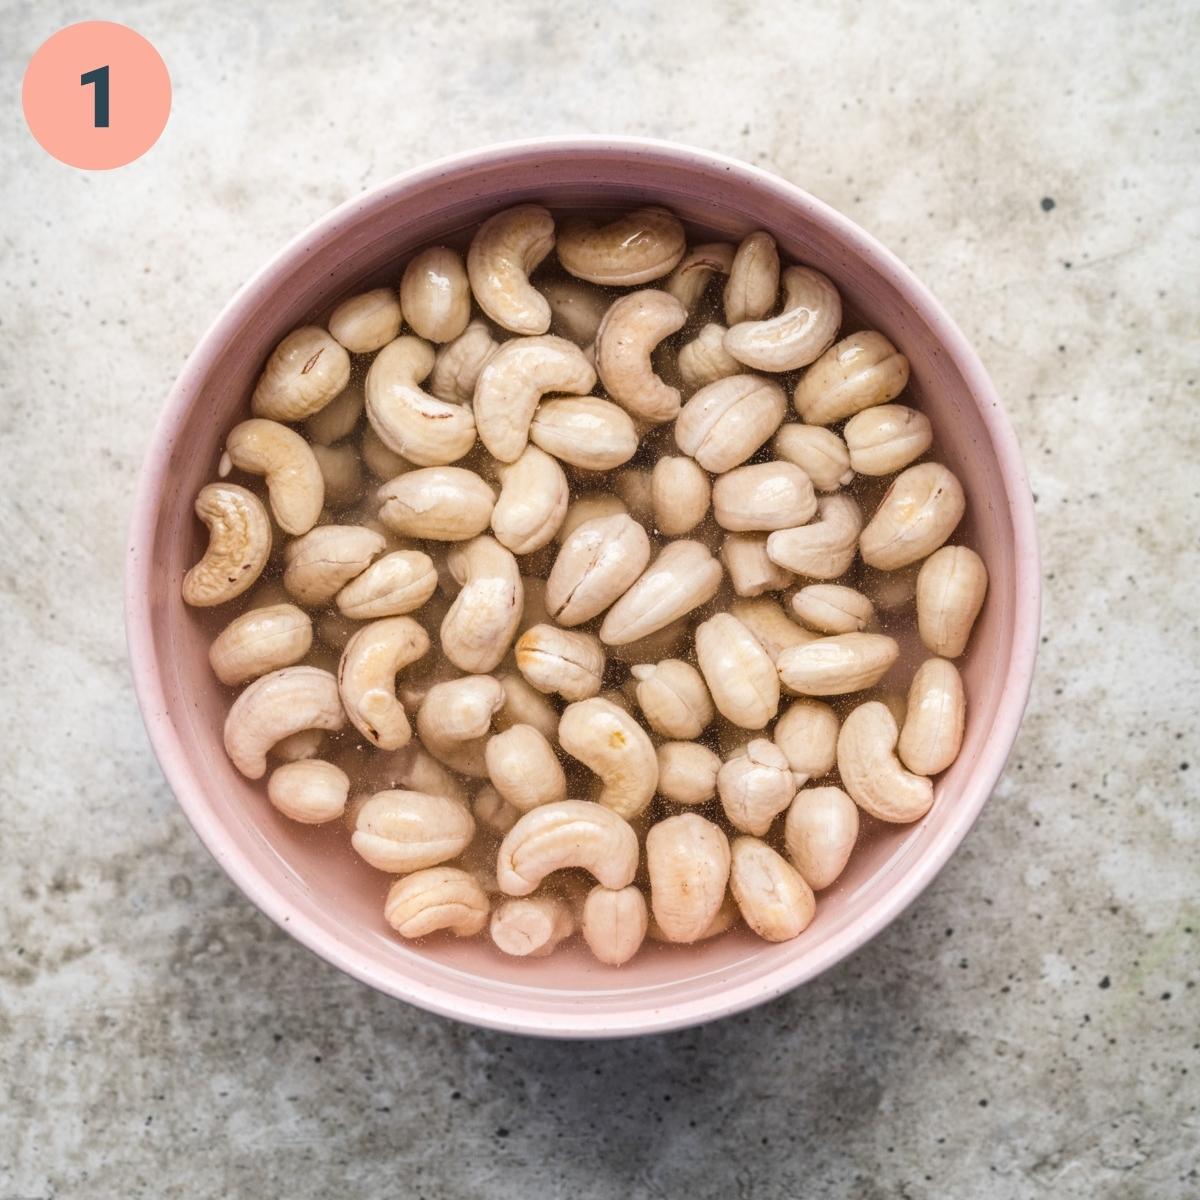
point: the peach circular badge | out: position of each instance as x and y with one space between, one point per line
96 95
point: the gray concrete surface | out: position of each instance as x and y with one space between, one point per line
1029 1028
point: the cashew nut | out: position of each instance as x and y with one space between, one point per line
755 785
680 494
887 438
492 811
259 641
503 254
820 833
772 896
614 923
396 584
688 861
627 336
683 577
576 309
304 373
916 515
807 734
457 364
454 721
524 769
525 705
440 898
586 432
704 359
673 697
753 281
687 772
533 501
444 504
341 474
859 372
740 674
239 544
378 459
763 497
365 322
373 658
608 741
295 485
812 312
531 926
435 294
817 451
690 279
411 769
595 566
635 248
309 791
297 747
833 608
932 733
337 419
824 548
589 506
482 621
724 423
561 661
771 625
402 831
751 571
871 772
951 587
318 565
726 918
838 665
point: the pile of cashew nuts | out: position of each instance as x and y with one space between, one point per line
580 630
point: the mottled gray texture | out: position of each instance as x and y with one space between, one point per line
1029 1027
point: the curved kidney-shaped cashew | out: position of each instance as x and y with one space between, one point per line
589 506
763 497
483 620
587 432
239 544
916 515
435 294
365 322
704 359
673 697
571 833
824 548
690 279
525 705
740 674
402 831
751 571
561 661
753 281
833 608
614 923
457 364
341 474
683 577
838 665
774 629
441 504
687 772
608 741
887 438
337 419
932 732
871 772
724 423
531 926
513 382
436 899
398 583
951 586
807 734
261 640
276 706
595 566
820 833
680 494
309 791
524 769
771 894
859 372
636 248
373 658
304 373
503 254
454 721
817 451
627 336
755 786
533 501
409 422
318 565
688 861
576 309
812 312
295 485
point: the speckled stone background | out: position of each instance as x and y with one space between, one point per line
1029 1027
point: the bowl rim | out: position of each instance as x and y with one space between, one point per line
576 1021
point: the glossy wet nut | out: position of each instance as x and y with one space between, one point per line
531 926
561 661
740 674
887 438
482 622
457 364
755 786
398 583
838 665
608 741
422 429
239 544
435 294
690 279
454 721
820 832
576 309
595 565
367 321
951 587
587 432
589 506
807 734
680 494
435 900
525 705
260 641
337 419
378 459
687 772
763 497
917 514
833 608
753 283
341 473
304 373
309 791
771 625
635 248
871 773
373 658
632 328
751 571
857 373
817 451
683 577
503 254
524 769
673 698
571 833
613 923
724 423
688 862
826 546
492 811
704 359
445 504
808 322
318 565
274 707
295 485
773 897
533 500
932 732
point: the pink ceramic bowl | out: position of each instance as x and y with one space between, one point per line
309 881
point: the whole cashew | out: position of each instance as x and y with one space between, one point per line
435 294
859 372
755 786
378 459
614 923
561 661
503 254
871 772
680 494
309 791
820 833
373 658
440 898
493 812
687 772
482 621
690 279
683 577
276 706
724 423
337 419
631 329
763 497
341 474
751 571
833 608
673 697
608 741
531 926
595 566
525 705
587 432
304 373
887 438
636 248
589 506
688 862
259 641
533 502
753 281
420 428
704 359
295 485
365 322
444 504
396 584
951 586
916 515
932 732
571 833
513 382
576 309
454 721
773 897
838 665
824 548
457 364
812 312
807 734
239 544
767 620
817 451
318 565
740 674
401 831
524 769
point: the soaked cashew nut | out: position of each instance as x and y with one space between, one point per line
704 359
771 894
295 485
871 772
680 494
951 587
683 577
587 432
740 674
396 584
674 698
318 565
833 608
633 485
807 734
298 747
304 373
493 812
932 732
337 419
525 705
534 494
589 506
687 772
482 621
378 459
276 706
820 833
887 438
373 658
724 423
411 769
576 309
824 548
755 786
457 364
309 791
524 769
812 312
688 862
838 665
365 322
401 831
817 451
635 248
916 515
443 504
859 372
753 281
608 741
571 833
690 279
614 923
751 571
763 497
454 721
631 329
435 294
439 898
239 544
341 474
503 254
424 430
531 926
259 641
595 566
726 918
774 629
561 661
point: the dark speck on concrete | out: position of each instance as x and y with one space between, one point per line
1047 204
1106 982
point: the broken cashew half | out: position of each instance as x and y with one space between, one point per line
812 312
239 544
373 658
295 484
503 254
